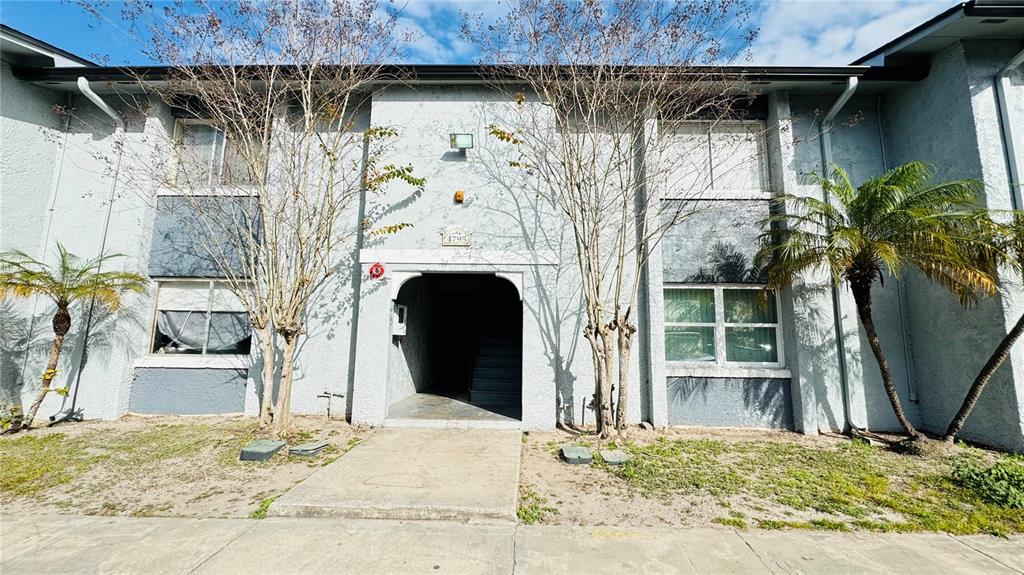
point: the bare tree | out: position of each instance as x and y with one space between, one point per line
272 148
615 102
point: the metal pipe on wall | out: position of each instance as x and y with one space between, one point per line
825 141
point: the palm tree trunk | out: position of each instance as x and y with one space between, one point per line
998 357
862 296
61 325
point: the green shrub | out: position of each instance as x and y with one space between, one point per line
1001 484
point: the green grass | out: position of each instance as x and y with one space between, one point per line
731 522
850 486
32 463
533 507
261 510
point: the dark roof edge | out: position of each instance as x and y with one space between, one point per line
46 45
476 73
970 8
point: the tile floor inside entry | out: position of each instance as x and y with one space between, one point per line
451 406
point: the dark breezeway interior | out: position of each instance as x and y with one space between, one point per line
461 355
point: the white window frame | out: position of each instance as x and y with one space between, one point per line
763 192
721 363
153 359
171 188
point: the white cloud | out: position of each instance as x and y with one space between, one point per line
792 32
803 32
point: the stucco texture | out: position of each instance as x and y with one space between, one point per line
952 343
730 402
188 391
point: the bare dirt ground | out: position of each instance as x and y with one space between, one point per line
589 495
739 478
167 466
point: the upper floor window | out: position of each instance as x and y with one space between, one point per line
206 158
720 160
723 326
199 317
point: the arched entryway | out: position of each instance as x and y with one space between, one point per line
461 355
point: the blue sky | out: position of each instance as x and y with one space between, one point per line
792 32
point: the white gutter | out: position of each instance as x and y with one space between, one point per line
1013 158
83 338
86 90
825 140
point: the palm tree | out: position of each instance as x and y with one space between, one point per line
70 280
862 234
1008 241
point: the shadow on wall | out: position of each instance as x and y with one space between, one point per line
25 344
725 263
732 402
557 307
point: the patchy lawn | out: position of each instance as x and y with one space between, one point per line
769 480
174 466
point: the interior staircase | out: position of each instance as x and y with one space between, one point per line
497 372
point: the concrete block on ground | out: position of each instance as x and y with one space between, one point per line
308 449
615 457
260 450
576 455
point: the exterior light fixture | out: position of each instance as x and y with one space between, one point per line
461 142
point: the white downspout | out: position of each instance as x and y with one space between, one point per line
825 141
83 338
1013 158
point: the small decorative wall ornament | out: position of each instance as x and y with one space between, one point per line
460 196
456 236
377 270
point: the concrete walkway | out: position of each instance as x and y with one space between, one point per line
77 544
449 474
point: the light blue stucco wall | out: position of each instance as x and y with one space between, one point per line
856 147
516 234
948 121
730 402
188 391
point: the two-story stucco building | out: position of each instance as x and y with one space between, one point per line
472 316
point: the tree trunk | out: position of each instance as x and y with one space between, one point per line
605 419
266 376
283 409
61 325
998 357
862 296
625 341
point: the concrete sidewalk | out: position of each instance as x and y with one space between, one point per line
448 474
77 544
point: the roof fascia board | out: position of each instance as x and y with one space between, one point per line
36 43
914 34
475 74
